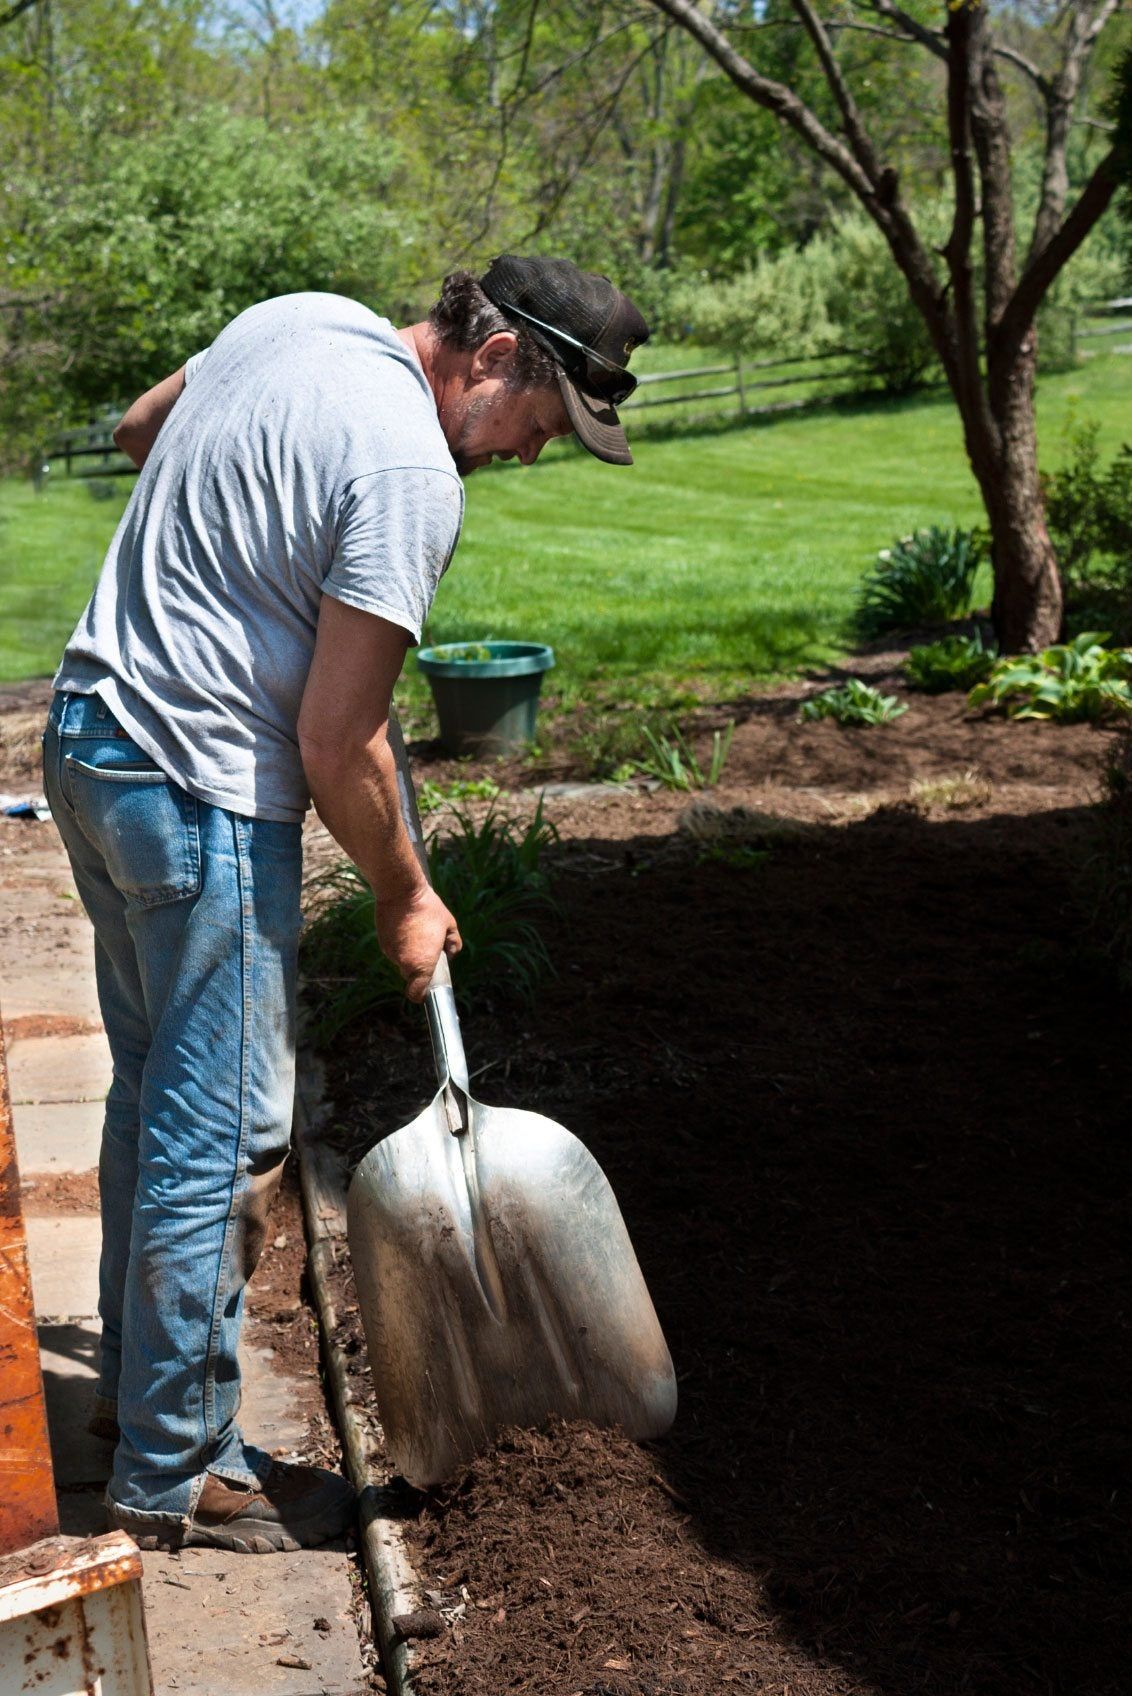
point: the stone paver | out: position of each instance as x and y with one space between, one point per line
68 989
58 1137
59 1069
218 1624
63 1252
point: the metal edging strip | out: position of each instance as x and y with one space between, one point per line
393 1584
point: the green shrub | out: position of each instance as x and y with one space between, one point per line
490 875
871 313
608 745
925 578
956 662
839 293
775 307
1089 513
1072 681
853 702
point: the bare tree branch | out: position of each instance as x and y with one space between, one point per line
1002 50
835 24
911 26
1061 98
1043 267
776 97
957 249
16 10
859 141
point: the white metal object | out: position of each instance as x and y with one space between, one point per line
71 1619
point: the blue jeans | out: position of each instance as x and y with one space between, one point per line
196 921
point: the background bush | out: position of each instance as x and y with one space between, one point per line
489 873
1089 513
925 578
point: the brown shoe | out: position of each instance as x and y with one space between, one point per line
296 1507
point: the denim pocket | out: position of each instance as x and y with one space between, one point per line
146 827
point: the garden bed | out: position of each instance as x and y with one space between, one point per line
865 1108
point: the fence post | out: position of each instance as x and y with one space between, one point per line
739 383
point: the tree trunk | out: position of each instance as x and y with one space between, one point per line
1028 604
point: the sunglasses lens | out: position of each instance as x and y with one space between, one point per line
613 386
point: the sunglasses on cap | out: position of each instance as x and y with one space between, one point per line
591 370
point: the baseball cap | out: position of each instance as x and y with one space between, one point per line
588 327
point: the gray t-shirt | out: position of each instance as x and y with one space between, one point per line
304 458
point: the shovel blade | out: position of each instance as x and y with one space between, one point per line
497 1286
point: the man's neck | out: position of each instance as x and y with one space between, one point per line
420 340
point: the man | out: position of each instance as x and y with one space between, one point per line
300 496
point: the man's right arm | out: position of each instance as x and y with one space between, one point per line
138 428
343 739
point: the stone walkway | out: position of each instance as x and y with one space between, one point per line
225 1625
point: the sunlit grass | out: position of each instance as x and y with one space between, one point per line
725 555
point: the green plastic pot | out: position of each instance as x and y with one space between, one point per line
486 705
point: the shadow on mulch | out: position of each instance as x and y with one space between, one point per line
866 1111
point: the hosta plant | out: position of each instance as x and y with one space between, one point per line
925 578
853 702
956 662
1071 681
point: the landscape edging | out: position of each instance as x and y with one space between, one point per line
393 1584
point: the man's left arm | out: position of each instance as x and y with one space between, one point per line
138 428
349 765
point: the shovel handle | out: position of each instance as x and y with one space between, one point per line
440 1002
410 813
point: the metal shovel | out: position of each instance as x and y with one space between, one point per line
496 1280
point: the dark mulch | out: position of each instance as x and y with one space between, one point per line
866 1111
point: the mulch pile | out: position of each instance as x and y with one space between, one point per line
865 1107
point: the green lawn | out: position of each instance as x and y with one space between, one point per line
725 554
51 547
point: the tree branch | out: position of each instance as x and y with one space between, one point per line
1061 97
911 26
880 200
957 249
858 137
1043 267
776 97
1002 50
836 24
16 10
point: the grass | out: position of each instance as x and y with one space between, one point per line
966 789
51 547
728 553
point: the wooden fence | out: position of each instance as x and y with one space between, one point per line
745 379
92 444
1107 318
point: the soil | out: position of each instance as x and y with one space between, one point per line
864 1104
63 1192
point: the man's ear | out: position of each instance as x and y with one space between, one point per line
493 358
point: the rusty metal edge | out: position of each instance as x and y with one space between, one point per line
72 1567
393 1584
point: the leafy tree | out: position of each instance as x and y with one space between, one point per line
982 326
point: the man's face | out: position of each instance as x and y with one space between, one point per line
501 422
